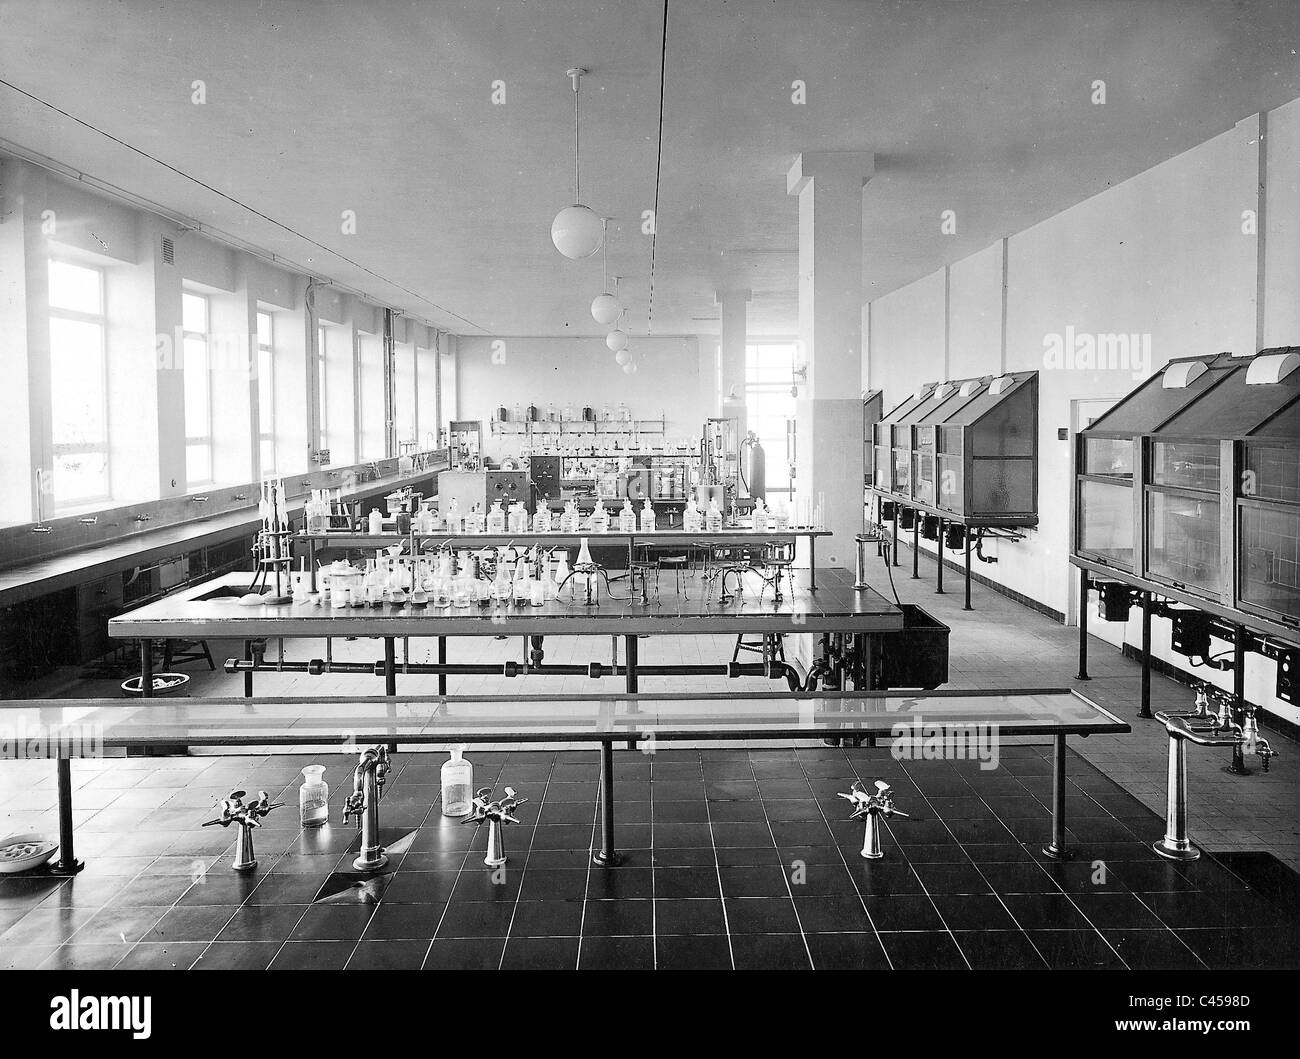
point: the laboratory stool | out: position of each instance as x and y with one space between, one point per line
176 652
643 562
771 645
678 562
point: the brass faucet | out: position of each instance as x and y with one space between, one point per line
363 804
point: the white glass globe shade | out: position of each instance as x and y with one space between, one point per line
605 308
622 356
629 369
616 340
576 232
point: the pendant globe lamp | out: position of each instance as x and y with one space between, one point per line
576 231
616 340
623 356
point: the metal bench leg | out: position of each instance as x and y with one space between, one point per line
1057 849
442 661
67 864
1083 626
607 856
390 681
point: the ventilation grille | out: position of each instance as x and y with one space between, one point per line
168 250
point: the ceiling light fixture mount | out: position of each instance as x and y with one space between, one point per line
576 231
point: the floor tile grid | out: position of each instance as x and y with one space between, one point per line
839 849
717 867
998 893
1087 784
523 872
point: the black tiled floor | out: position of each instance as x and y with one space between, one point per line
734 859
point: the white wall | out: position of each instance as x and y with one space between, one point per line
672 380
1162 255
907 338
975 313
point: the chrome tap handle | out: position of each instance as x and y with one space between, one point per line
353 804
1202 703
1265 752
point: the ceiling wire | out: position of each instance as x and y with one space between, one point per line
659 161
242 205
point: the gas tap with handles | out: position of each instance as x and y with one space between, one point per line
234 810
871 807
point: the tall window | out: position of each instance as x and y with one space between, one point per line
373 432
769 374
266 391
198 389
320 385
78 385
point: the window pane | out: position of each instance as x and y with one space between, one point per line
1183 540
77 382
265 390
264 330
268 456
197 406
75 287
194 313
198 463
80 476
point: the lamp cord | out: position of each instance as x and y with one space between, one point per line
659 159
577 164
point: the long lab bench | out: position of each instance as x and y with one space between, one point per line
855 619
140 546
67 728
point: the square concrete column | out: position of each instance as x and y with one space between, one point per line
829 460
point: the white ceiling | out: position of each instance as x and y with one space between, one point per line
384 107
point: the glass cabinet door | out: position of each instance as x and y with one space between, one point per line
1269 564
1183 540
1106 521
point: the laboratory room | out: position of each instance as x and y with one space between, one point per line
659 485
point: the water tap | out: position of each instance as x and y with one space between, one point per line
1251 741
497 814
871 807
362 804
234 810
1202 702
